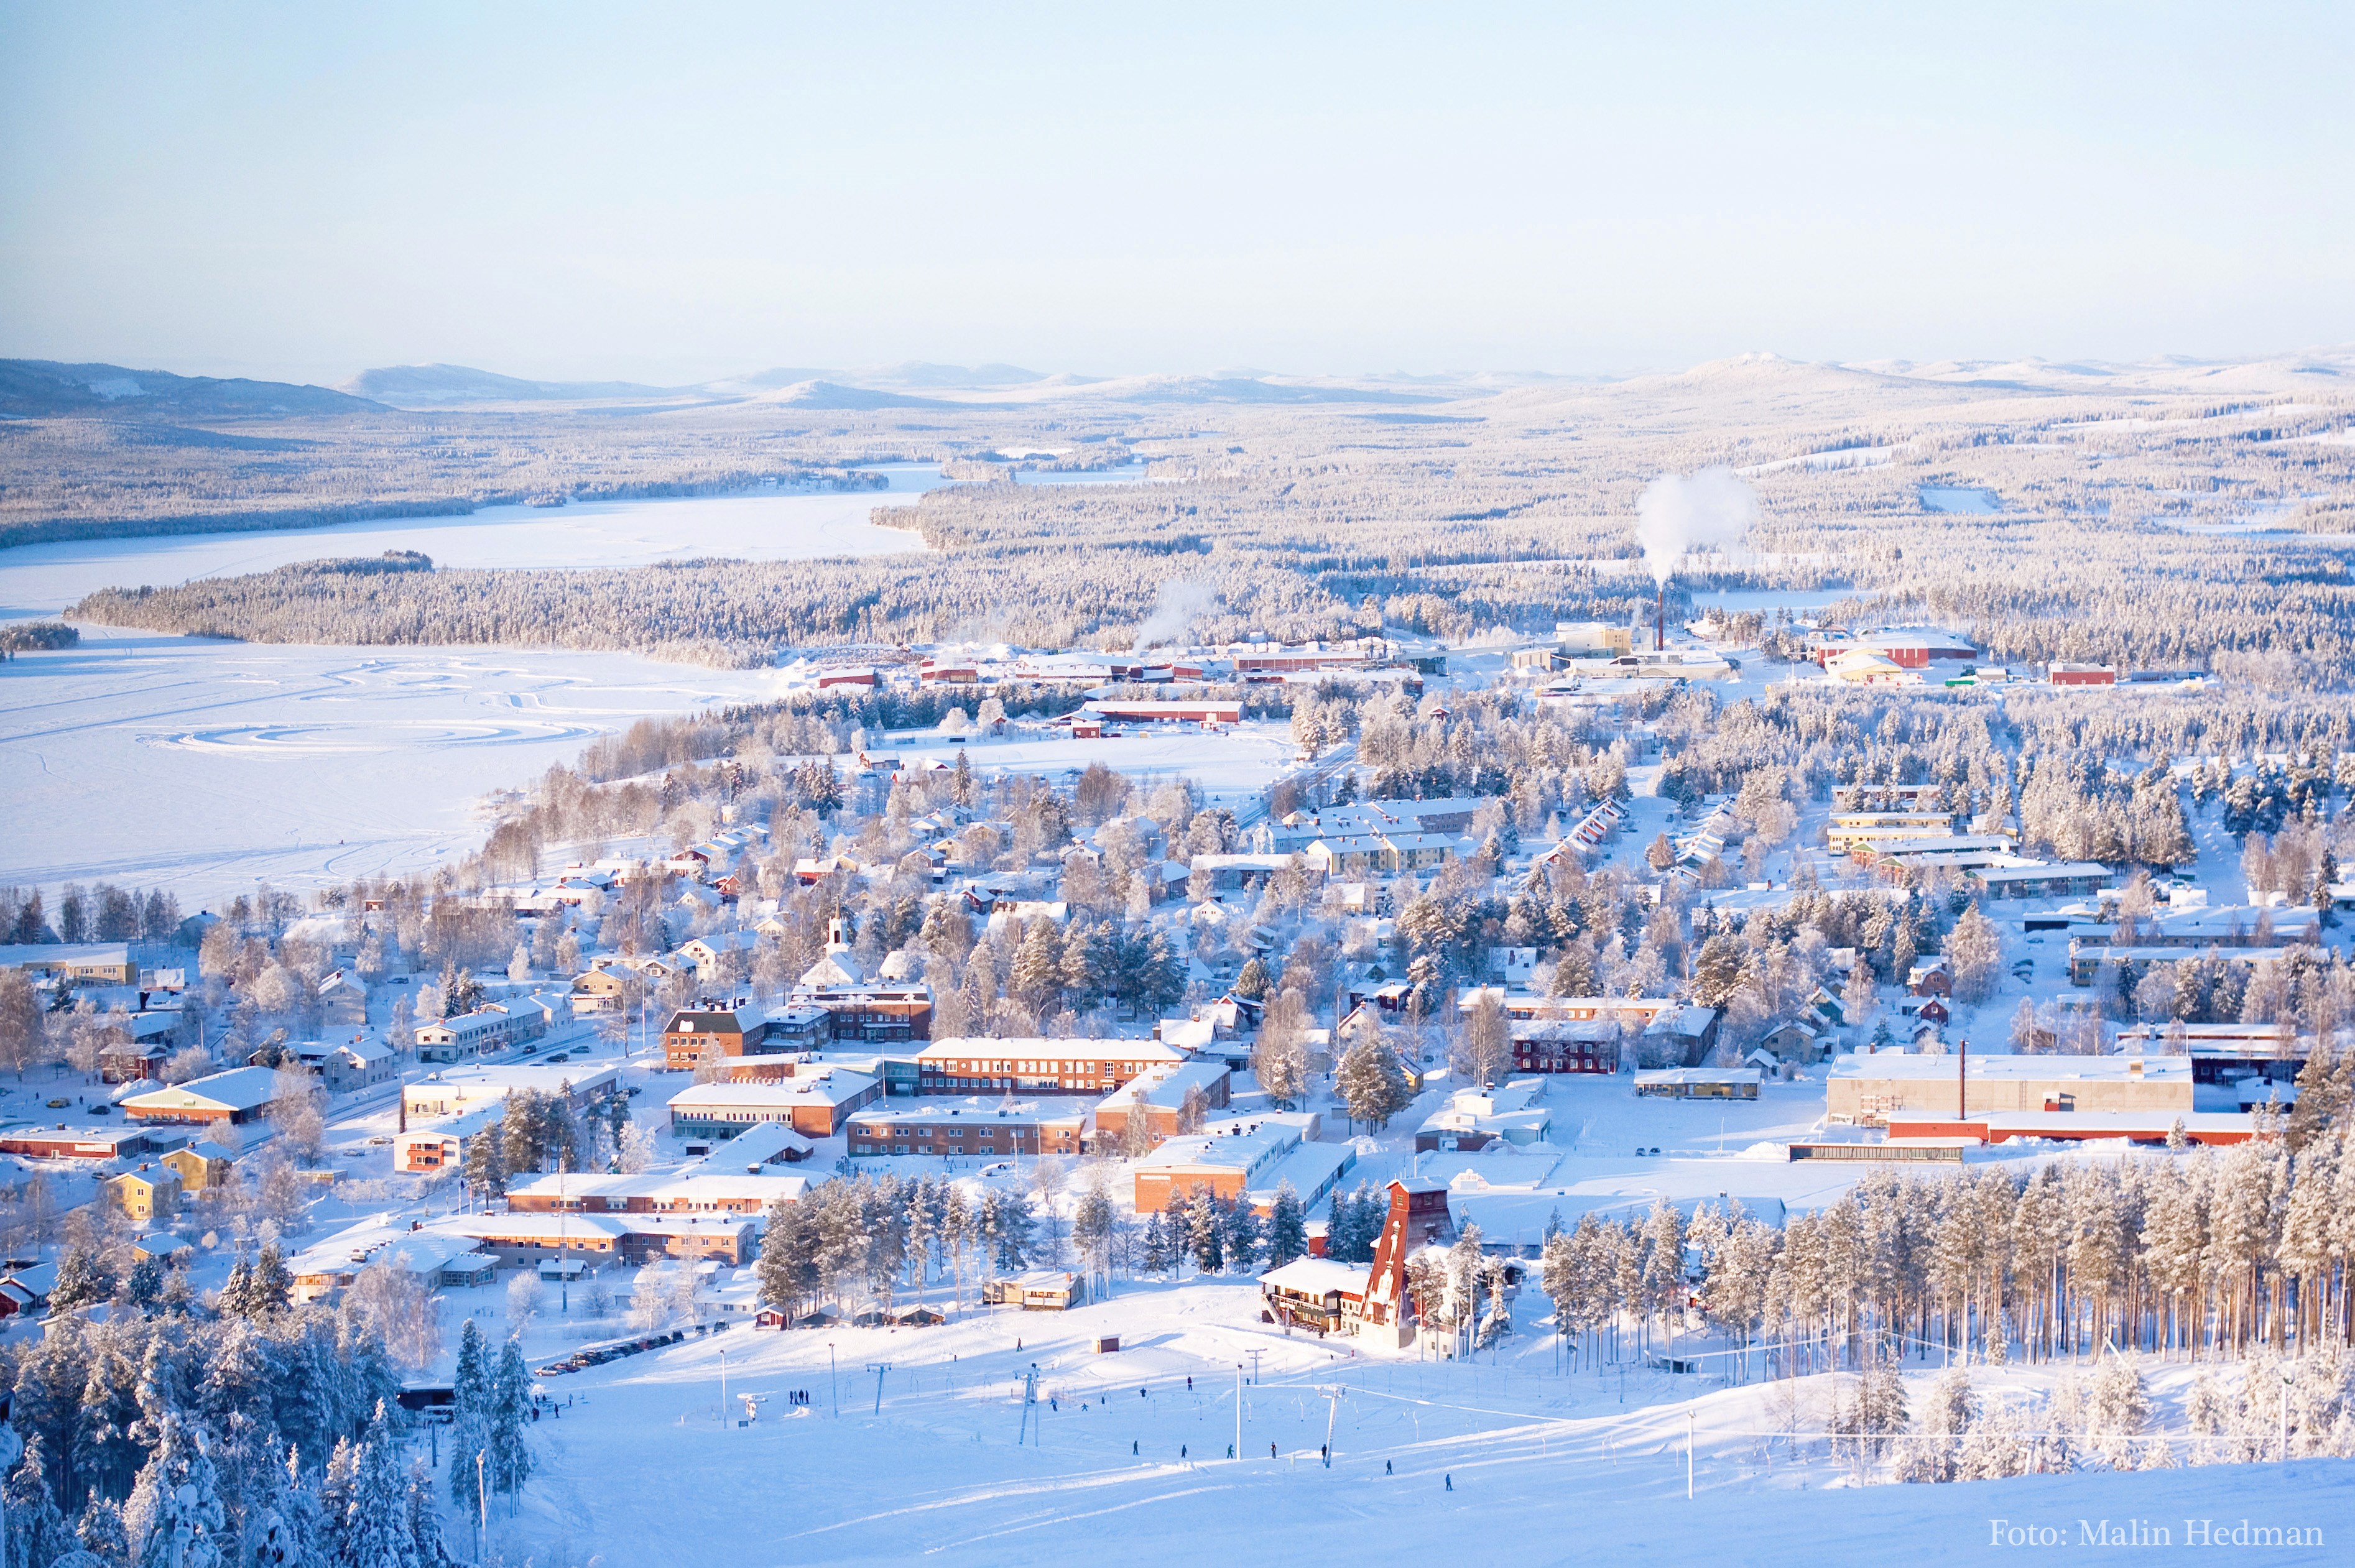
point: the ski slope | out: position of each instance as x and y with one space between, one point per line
1545 1467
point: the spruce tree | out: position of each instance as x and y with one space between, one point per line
273 1285
1371 1082
424 1518
1240 1222
486 1163
470 1426
1205 1235
37 1529
82 1278
177 1490
1159 1257
1012 1237
1287 1228
510 1461
376 1527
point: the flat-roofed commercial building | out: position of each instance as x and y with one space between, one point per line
1872 1086
817 1103
236 1097
974 1125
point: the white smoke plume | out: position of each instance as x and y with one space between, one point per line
1711 510
1174 610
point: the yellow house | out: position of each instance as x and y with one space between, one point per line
146 1193
599 991
202 1166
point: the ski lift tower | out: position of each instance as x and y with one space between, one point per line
1334 1393
1029 1407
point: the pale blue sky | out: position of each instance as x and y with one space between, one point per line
584 190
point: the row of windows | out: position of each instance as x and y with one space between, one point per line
1083 1069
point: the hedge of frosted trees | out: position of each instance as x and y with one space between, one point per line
250 1431
2201 1259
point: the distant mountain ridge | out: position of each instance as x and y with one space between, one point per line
913 383
402 383
49 388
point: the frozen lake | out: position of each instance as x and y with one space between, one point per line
203 766
761 525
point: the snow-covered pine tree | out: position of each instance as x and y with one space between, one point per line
1287 1227
470 1419
424 1519
1010 1243
1371 1082
38 1532
1160 1258
173 1517
1205 1236
376 1532
272 1286
485 1165
105 1455
2118 1409
1242 1240
1092 1225
83 1277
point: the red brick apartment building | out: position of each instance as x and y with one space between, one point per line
1037 1066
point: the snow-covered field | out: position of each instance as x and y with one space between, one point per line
765 525
1545 1467
202 766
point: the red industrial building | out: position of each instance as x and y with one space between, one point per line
2214 1127
2083 674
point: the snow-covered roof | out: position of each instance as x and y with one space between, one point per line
974 1108
2029 1069
239 1090
1318 1276
1697 1076
761 1143
963 1048
828 1085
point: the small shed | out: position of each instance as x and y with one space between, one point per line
1037 1290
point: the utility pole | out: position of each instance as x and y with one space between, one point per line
1254 1353
1029 1407
833 1379
879 1369
723 1388
482 1500
1688 1455
1334 1393
1238 1412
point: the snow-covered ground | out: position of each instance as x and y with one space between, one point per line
202 766
764 525
1544 1466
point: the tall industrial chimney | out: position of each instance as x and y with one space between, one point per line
1660 620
